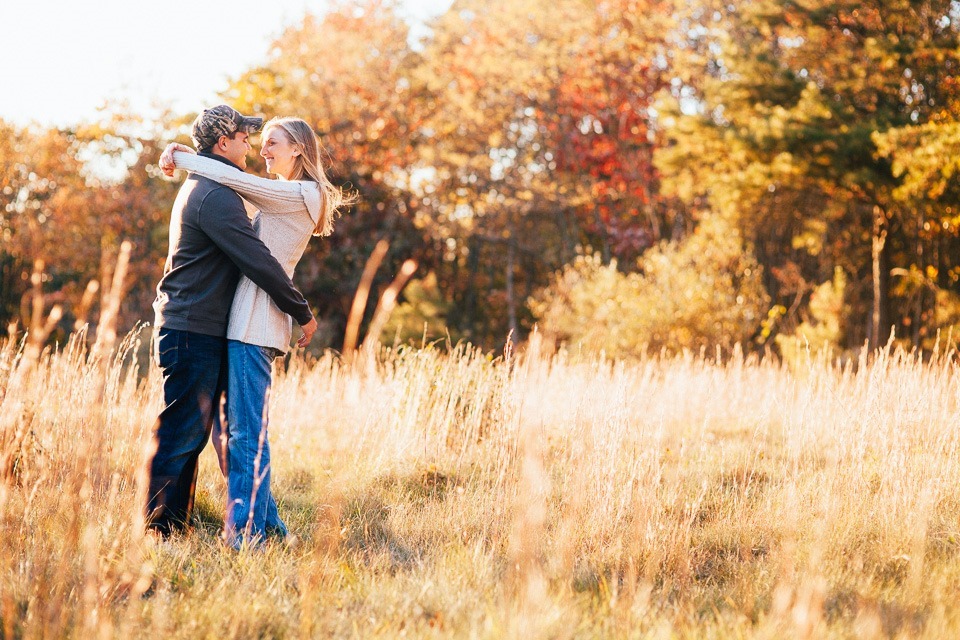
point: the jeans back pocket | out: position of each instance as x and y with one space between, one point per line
166 347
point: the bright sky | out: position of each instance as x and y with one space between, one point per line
62 59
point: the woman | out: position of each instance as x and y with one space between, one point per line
301 203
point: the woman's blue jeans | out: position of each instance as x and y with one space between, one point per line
251 510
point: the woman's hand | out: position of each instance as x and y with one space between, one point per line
166 163
308 330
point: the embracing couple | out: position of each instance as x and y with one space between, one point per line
225 309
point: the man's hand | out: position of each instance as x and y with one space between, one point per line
166 163
308 330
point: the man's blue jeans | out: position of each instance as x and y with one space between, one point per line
194 368
251 509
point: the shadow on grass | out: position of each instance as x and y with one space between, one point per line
208 513
896 619
366 518
421 487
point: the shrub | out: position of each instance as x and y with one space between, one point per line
420 317
703 292
824 329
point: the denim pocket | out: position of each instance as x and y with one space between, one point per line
167 348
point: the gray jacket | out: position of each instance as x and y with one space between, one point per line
211 242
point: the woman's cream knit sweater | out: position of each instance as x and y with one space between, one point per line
287 216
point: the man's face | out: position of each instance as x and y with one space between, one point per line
235 149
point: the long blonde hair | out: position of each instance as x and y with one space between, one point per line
308 166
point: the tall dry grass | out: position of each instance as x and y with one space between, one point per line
531 495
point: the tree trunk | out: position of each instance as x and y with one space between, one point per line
604 236
467 319
879 328
511 301
918 315
107 260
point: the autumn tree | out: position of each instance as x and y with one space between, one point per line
69 198
605 130
44 215
347 73
781 134
129 199
538 141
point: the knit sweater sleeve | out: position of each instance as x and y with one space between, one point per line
271 196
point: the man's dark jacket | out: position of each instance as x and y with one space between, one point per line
211 242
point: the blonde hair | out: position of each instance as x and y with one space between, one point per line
308 166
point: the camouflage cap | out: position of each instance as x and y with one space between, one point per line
221 121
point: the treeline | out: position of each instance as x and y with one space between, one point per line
628 174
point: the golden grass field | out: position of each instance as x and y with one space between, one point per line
454 495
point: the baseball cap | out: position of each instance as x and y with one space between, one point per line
221 121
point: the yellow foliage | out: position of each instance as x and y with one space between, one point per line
703 292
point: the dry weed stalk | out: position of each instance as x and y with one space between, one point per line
360 298
538 494
85 304
319 568
106 337
388 301
21 371
367 361
40 327
59 433
527 535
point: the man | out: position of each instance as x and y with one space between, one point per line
211 242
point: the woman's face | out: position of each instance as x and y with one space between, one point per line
279 152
